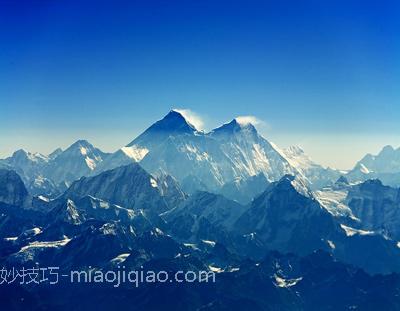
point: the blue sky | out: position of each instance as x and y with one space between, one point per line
322 74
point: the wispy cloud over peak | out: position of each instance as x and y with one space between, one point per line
249 120
191 117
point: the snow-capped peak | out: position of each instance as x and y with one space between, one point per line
234 127
22 154
177 119
174 123
81 144
388 149
246 120
76 161
81 148
191 118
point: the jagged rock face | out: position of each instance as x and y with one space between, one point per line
369 206
88 231
129 186
66 211
287 218
279 282
12 189
251 154
288 221
377 207
203 216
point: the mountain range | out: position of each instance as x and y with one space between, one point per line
280 231
233 160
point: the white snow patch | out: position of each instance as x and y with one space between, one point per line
156 232
364 169
281 282
14 238
153 183
351 231
198 154
216 269
90 163
104 204
108 229
211 243
192 246
331 244
120 258
34 231
40 244
135 152
39 181
250 235
43 198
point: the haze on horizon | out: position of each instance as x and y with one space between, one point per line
324 76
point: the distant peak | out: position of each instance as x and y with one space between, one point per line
234 127
174 121
388 149
20 152
81 146
191 118
23 154
81 142
237 124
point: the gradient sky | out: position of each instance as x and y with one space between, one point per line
321 74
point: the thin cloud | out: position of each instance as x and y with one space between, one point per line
250 119
192 117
